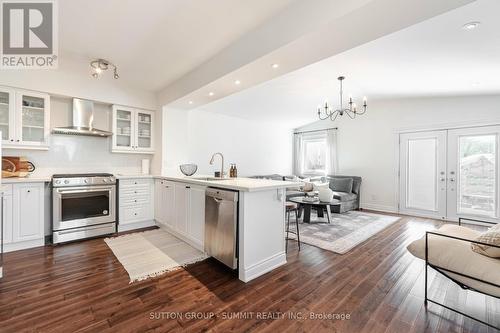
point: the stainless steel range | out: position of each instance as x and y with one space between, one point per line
83 206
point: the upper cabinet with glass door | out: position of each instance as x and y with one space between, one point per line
132 130
7 117
24 119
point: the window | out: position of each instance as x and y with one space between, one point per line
314 155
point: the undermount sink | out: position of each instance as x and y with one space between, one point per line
209 178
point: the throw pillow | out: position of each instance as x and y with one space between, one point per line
341 184
318 186
492 236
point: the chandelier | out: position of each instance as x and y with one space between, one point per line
99 65
327 112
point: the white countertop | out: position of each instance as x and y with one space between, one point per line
121 176
239 184
36 179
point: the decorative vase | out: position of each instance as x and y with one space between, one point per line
325 194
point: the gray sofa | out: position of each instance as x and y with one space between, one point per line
348 200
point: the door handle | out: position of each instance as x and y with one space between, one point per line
452 180
217 200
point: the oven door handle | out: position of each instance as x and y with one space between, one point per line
81 190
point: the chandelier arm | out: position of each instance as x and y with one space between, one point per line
336 115
351 114
327 114
364 110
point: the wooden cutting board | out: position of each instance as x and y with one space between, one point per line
15 166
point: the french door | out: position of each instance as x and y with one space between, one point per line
450 173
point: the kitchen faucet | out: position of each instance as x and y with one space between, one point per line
222 164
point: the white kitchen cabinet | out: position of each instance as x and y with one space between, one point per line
180 207
28 212
7 213
23 215
24 119
133 130
135 203
196 226
165 203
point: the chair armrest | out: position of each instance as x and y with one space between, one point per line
427 233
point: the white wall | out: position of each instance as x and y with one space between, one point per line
74 154
368 144
256 147
73 78
70 154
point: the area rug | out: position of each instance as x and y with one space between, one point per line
152 253
346 231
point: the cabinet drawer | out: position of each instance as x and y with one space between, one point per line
138 200
126 183
132 214
132 192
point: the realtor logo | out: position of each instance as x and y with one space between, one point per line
29 34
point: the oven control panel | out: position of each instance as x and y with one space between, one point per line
83 181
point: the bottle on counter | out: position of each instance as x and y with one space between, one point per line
235 171
231 170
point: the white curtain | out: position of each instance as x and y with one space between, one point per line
331 152
297 154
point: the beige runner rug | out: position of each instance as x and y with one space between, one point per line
152 253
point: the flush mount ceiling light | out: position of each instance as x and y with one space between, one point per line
190 102
237 82
100 65
471 25
274 66
211 93
352 111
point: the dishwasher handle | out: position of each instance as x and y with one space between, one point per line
217 199
220 195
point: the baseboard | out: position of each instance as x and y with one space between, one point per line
23 245
137 225
262 267
380 208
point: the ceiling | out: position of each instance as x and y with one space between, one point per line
433 58
154 42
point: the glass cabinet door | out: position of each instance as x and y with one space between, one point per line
33 118
124 125
144 130
6 115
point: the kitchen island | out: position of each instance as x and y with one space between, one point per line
261 216
261 220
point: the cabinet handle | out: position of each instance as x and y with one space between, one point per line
17 140
135 200
11 140
188 186
29 191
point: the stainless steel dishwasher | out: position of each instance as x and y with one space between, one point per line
221 223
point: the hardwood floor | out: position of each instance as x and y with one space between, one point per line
82 287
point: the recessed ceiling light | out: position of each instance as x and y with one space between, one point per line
211 93
237 82
471 25
274 66
190 102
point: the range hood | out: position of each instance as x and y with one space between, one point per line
83 119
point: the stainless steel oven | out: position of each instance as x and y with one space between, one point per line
83 206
